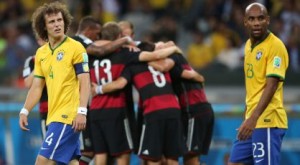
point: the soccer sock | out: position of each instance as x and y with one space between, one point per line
85 160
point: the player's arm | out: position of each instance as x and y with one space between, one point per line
33 97
28 80
84 83
159 54
101 48
249 124
115 85
268 93
79 123
28 71
192 75
162 65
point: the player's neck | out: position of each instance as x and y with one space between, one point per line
54 42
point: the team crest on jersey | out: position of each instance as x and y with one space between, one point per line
277 62
258 55
60 55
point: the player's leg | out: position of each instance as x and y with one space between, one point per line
119 139
60 140
199 136
100 158
267 145
98 141
173 140
86 146
43 117
41 160
241 152
151 141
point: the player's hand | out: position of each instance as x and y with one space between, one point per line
93 89
178 50
23 122
246 129
79 123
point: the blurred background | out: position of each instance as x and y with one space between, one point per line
211 34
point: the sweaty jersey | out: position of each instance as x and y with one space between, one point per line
155 89
105 70
59 67
269 58
28 69
191 94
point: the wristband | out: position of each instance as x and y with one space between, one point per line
99 89
129 39
82 110
24 111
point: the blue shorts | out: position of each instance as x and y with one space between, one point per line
263 148
61 143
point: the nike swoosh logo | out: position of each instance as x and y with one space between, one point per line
257 161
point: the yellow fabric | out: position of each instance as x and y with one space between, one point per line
57 67
268 58
158 4
199 55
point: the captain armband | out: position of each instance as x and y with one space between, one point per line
81 68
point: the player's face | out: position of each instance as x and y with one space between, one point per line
55 25
256 21
95 33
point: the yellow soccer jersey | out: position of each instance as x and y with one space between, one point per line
57 68
268 58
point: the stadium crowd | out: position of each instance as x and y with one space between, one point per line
209 31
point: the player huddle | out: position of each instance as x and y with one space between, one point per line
89 81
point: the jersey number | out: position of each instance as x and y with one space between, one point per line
106 65
250 72
158 77
258 150
49 139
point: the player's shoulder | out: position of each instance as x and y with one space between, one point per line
43 49
276 41
74 43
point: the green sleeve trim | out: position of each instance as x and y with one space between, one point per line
275 75
39 76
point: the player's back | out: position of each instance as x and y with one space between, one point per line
105 70
155 90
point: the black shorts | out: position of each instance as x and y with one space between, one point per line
198 132
111 136
43 118
162 137
85 137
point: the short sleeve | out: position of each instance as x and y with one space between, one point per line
277 61
126 73
80 60
37 65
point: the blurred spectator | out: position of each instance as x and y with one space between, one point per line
15 53
3 44
293 46
156 20
218 35
199 54
290 15
11 10
231 56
